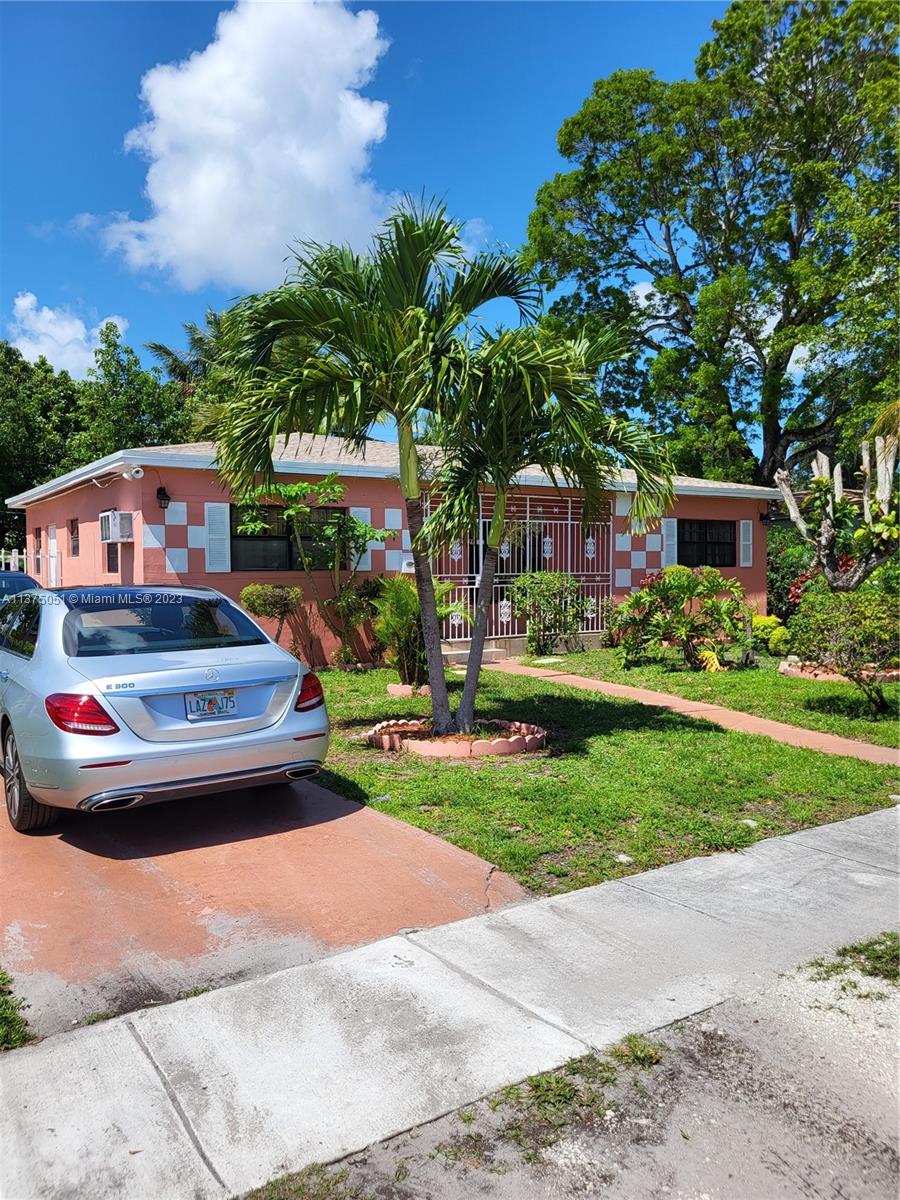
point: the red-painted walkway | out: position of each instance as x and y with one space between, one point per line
728 718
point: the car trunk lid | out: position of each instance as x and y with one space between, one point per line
225 691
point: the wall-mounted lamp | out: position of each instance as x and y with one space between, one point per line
163 498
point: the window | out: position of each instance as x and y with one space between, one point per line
74 540
112 558
125 622
19 625
275 548
706 543
37 550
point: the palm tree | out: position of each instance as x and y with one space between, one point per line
204 348
529 399
351 339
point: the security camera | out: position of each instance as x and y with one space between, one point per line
133 473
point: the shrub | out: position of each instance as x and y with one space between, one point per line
701 612
271 600
552 606
788 558
398 627
770 636
854 633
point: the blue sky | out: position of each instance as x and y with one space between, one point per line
293 121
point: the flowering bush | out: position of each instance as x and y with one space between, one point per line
700 612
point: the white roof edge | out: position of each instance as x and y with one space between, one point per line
122 459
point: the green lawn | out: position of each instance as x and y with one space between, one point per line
620 778
830 707
14 1029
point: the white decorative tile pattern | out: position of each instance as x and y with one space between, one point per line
393 560
393 518
638 560
176 513
653 542
623 578
196 537
623 504
154 537
406 540
623 542
176 562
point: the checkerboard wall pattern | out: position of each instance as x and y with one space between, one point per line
183 538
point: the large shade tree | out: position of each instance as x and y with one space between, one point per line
743 225
351 339
529 398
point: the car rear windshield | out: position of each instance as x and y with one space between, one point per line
152 623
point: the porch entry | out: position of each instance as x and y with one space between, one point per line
541 534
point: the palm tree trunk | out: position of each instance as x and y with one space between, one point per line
466 715
442 721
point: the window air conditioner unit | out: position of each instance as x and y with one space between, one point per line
116 526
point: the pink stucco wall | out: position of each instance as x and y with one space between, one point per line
169 547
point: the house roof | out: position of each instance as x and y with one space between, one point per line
322 454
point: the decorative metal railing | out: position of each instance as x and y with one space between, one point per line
541 534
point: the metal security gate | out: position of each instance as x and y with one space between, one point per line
541 534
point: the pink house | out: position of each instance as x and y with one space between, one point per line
160 515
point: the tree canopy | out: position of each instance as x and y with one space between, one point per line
51 423
742 225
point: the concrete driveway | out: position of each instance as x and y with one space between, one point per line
109 913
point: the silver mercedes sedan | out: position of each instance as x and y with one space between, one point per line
112 697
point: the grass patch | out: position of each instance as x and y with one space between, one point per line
14 1029
618 779
877 958
638 1051
827 707
97 1017
312 1183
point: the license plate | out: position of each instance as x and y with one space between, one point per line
200 705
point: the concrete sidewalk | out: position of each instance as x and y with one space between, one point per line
213 1095
728 718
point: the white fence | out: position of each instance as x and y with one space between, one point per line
12 560
541 534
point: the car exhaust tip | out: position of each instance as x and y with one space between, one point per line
116 802
302 772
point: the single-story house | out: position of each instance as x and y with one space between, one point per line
161 515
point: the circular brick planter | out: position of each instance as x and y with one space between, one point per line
407 689
513 737
814 671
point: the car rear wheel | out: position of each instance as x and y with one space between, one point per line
25 813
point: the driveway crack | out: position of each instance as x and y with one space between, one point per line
487 888
177 1105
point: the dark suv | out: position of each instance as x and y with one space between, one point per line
12 582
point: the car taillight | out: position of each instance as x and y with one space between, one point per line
79 714
311 694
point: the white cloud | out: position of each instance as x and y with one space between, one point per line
643 294
258 139
56 334
475 236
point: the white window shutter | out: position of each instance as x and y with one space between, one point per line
218 537
669 542
746 558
